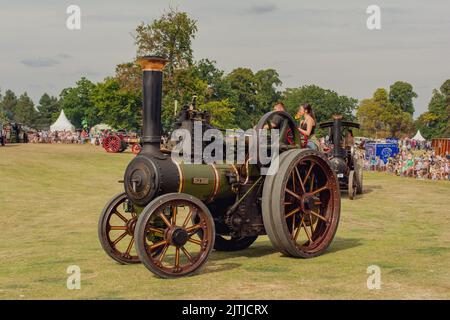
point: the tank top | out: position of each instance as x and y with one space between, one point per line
304 126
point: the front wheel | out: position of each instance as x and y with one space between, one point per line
116 230
186 230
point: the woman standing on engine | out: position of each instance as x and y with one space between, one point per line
308 125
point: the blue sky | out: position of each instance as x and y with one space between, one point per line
307 42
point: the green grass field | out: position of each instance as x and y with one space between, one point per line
51 197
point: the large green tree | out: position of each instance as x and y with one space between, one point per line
325 103
48 110
436 121
402 94
117 107
77 103
169 36
8 104
25 112
380 118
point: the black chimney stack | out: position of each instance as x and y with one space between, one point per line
337 139
152 77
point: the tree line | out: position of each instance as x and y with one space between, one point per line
235 100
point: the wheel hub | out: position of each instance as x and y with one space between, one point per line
178 237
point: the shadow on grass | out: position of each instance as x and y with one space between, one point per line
259 249
340 244
369 189
9 145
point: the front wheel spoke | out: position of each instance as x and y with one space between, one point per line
174 215
319 216
130 245
155 230
195 241
193 228
120 238
164 218
117 213
117 228
188 217
292 212
177 257
157 245
186 253
163 252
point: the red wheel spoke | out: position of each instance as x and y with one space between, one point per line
293 194
318 216
300 179
177 257
306 231
117 213
174 215
325 187
311 224
188 217
194 227
156 230
309 171
186 253
120 238
292 212
157 245
163 217
298 229
163 252
195 241
118 228
130 245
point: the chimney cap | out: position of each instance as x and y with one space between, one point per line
152 63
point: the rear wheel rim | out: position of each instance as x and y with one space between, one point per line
308 204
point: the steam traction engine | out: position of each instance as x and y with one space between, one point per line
119 142
347 166
172 214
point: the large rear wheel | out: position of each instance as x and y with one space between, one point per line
301 204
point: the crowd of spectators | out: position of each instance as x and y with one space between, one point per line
415 159
66 137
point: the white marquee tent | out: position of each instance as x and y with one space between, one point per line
418 136
62 124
